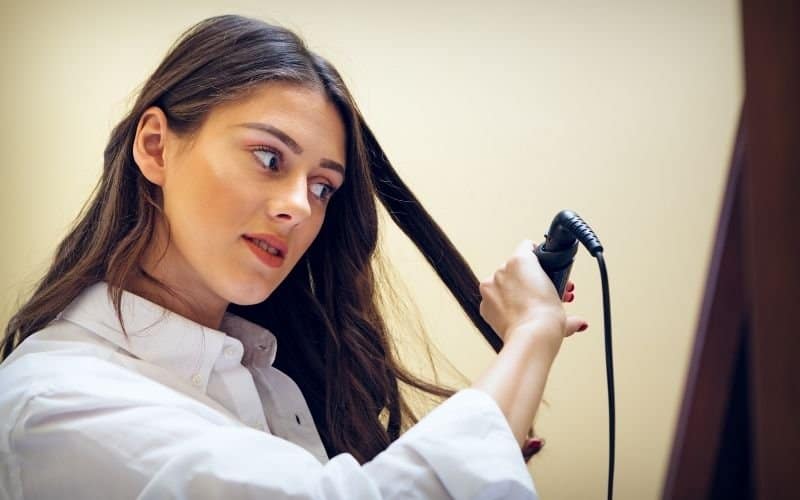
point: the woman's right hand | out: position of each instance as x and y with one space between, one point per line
520 300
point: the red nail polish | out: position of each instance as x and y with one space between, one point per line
532 446
583 327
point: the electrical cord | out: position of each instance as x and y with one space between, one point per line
609 371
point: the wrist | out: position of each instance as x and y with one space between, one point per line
538 338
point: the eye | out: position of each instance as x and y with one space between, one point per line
268 158
322 190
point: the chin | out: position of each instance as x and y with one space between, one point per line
252 292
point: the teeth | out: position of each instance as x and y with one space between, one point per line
264 246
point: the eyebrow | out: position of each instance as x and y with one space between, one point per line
292 144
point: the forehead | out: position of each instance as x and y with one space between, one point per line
306 114
280 100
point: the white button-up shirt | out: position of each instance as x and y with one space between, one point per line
179 410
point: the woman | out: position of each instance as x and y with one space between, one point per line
236 212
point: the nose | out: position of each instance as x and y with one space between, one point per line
289 201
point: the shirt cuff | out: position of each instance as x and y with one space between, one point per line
470 447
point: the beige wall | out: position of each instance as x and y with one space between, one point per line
498 114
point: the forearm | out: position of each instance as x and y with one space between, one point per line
517 376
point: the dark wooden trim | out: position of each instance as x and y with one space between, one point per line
771 229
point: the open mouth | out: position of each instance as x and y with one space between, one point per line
266 253
263 245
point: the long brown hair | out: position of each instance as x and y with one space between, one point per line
326 314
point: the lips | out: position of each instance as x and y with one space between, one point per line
270 240
269 249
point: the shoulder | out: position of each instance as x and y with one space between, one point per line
53 355
61 337
66 368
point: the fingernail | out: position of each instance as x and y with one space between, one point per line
532 445
571 298
583 327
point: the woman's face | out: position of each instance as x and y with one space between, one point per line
246 196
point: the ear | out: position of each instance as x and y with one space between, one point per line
149 145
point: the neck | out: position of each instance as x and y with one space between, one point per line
176 287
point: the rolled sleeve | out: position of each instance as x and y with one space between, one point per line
466 445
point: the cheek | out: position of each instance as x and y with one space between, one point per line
309 232
205 201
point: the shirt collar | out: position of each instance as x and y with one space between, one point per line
167 339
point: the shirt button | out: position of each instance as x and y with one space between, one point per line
230 352
197 380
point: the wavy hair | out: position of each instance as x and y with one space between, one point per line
327 313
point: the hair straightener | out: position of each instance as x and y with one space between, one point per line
556 255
